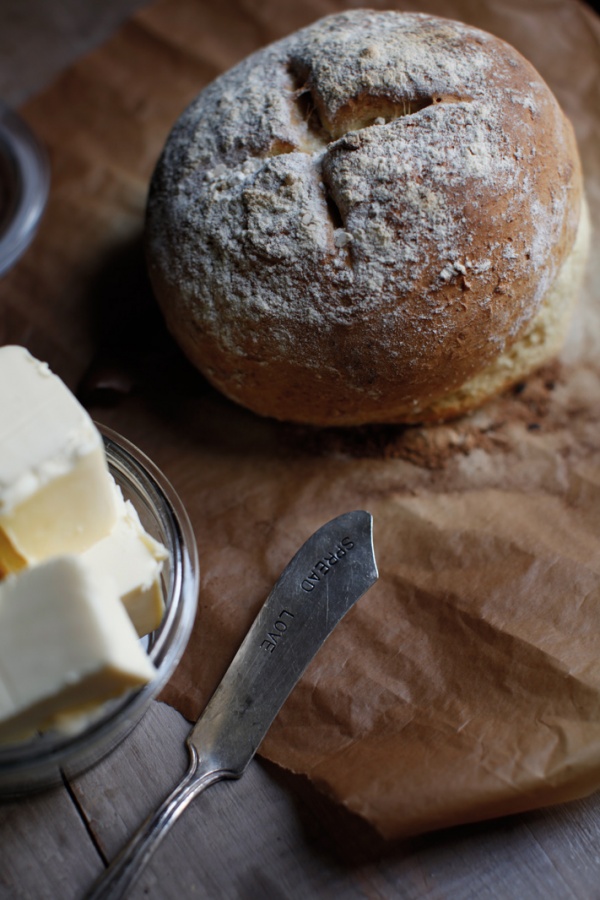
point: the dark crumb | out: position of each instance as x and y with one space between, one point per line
535 394
365 441
433 446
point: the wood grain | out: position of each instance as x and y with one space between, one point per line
271 835
45 850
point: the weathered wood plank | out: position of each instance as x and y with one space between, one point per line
272 835
37 41
45 850
240 839
544 854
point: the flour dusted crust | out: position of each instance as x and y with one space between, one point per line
356 222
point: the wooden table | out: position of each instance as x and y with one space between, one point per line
271 834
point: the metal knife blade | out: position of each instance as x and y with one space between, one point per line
329 573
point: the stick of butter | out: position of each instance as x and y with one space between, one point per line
56 494
134 560
66 645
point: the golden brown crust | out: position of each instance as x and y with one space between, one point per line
357 220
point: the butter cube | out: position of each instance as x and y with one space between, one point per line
66 645
56 494
134 560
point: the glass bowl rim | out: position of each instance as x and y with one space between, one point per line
28 159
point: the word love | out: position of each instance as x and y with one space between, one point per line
326 563
279 628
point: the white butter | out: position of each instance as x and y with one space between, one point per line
134 561
56 495
66 645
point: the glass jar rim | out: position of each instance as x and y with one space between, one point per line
25 179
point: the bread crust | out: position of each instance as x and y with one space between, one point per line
354 222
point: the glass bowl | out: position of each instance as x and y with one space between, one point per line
24 183
45 760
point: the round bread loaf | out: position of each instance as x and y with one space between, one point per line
372 220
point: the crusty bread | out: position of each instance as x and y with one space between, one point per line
366 221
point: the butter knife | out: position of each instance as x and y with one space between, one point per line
329 573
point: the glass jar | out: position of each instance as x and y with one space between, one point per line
43 761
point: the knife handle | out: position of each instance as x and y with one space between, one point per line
127 865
